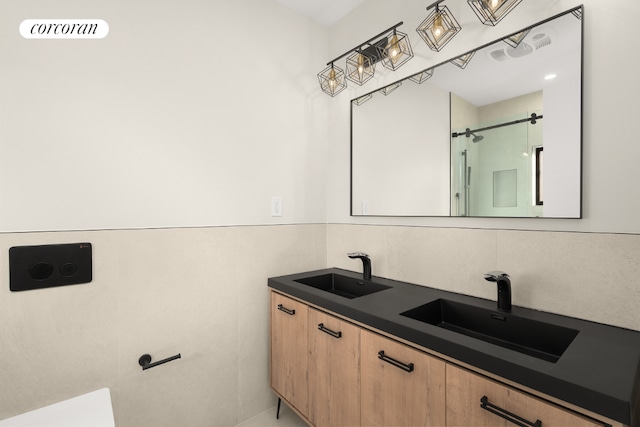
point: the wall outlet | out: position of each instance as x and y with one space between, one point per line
276 206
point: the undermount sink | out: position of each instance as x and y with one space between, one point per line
538 339
344 286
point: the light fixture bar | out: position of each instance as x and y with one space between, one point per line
367 42
434 4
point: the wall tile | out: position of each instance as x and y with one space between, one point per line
200 292
177 295
592 276
451 259
53 344
266 252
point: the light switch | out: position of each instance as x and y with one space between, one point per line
276 206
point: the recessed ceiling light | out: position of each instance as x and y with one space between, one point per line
550 76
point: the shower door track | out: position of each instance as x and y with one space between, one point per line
468 131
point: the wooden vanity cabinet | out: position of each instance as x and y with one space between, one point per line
401 386
289 351
474 400
334 371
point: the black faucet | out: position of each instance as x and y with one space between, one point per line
504 288
366 263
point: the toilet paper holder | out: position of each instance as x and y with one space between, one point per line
145 361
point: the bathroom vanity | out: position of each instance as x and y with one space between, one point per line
351 352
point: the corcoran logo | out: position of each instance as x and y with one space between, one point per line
64 29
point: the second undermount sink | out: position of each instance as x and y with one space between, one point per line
344 286
539 339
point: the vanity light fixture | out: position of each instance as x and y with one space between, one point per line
439 27
391 47
463 60
332 80
490 12
397 51
360 67
422 76
388 89
515 39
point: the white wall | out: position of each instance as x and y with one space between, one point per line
187 114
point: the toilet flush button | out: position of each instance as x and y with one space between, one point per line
41 270
46 266
68 269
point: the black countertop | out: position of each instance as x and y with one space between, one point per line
599 371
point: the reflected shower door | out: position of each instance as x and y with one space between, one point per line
492 171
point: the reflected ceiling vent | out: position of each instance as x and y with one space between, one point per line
538 38
498 54
523 49
541 40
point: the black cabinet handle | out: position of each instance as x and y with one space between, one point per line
503 413
286 310
329 331
405 367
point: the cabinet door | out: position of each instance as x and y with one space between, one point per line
289 351
334 371
473 400
401 386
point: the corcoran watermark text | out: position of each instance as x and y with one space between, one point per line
64 29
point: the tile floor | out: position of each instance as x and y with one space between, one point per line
288 418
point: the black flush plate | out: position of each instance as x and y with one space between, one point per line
46 266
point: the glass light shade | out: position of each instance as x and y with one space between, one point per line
360 68
422 76
438 28
332 80
388 89
397 51
463 60
515 39
490 12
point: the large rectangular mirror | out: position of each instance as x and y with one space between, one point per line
470 140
